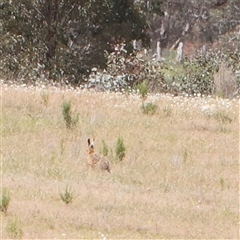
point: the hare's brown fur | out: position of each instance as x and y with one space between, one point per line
96 161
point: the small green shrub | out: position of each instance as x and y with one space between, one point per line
66 112
13 229
149 108
146 108
104 150
120 149
143 89
5 200
67 196
70 119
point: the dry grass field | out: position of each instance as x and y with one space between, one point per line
179 178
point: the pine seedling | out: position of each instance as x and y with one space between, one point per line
5 200
67 196
69 119
120 149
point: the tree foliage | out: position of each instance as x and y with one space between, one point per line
65 38
62 40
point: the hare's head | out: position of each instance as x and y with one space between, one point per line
90 146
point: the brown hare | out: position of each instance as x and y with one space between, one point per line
96 161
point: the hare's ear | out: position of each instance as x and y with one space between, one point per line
89 142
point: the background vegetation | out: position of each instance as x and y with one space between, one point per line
62 41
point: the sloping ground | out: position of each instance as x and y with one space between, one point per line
179 179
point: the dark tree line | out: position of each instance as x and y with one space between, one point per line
66 38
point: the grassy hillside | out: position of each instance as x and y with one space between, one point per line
179 178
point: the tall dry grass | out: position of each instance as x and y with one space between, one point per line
179 178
